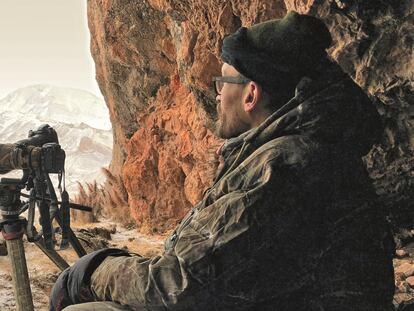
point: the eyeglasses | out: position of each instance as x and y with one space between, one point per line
219 82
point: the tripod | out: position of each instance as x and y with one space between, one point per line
38 156
14 226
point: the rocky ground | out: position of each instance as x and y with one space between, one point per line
404 271
43 273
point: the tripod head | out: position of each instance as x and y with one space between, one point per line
10 197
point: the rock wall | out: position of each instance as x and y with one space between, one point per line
154 63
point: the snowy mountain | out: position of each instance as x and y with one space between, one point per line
80 119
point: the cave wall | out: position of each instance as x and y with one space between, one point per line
154 62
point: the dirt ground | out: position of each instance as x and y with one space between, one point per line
43 272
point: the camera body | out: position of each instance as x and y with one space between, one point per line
53 158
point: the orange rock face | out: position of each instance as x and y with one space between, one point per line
169 162
155 60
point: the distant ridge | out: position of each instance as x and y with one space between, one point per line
80 118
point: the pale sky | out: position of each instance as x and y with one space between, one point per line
45 42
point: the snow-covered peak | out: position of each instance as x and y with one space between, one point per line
52 104
80 119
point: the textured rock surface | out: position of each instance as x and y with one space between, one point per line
154 63
167 164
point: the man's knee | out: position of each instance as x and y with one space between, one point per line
97 306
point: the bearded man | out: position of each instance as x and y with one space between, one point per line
290 222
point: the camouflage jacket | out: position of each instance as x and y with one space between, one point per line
290 222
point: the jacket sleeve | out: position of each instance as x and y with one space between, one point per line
216 260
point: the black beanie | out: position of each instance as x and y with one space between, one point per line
278 53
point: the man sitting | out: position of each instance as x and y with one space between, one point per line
291 221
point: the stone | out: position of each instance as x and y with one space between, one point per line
406 269
90 240
400 253
402 287
102 232
410 281
165 171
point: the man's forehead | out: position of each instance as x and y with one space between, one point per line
229 70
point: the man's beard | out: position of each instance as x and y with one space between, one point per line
220 131
229 127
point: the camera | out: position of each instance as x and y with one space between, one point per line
41 150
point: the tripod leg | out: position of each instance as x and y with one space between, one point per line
46 224
53 255
77 246
20 276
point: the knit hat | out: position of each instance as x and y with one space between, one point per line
279 52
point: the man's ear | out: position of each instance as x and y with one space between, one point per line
252 96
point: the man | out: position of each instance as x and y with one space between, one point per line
290 222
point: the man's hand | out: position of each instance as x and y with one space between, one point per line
72 286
